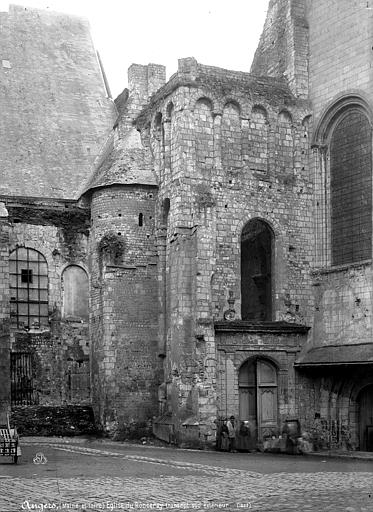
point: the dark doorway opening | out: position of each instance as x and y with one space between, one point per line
365 401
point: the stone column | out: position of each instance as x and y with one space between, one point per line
322 246
4 312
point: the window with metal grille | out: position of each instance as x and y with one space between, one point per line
22 379
28 275
351 188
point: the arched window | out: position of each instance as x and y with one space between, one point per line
75 292
158 130
258 143
256 271
284 142
204 136
351 188
28 277
170 138
231 137
165 211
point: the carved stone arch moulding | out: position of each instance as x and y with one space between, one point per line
271 222
359 386
241 357
333 112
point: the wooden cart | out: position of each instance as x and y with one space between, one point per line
9 441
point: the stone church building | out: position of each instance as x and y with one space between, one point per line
200 247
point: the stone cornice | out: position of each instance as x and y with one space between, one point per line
260 327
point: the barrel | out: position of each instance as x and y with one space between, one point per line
291 428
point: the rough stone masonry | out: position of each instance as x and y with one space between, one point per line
220 239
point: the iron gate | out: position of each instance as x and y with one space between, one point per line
21 378
78 381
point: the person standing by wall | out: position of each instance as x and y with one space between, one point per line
232 433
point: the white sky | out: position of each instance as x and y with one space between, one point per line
221 33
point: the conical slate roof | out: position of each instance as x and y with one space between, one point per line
122 161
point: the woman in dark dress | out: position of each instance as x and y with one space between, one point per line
244 437
224 439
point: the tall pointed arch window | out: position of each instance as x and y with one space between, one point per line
256 271
351 188
28 276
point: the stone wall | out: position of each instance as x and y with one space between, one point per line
61 420
279 345
343 303
219 202
231 148
283 48
328 406
124 305
57 351
340 37
123 260
188 166
340 75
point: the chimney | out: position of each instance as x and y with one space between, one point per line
144 81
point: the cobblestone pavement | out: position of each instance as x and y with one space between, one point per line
105 478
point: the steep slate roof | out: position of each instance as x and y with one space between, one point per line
122 162
55 114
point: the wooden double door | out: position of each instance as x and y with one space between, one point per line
258 397
365 401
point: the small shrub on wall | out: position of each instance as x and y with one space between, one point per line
111 248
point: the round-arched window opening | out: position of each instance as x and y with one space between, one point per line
256 271
75 292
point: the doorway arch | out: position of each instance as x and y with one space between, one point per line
258 396
365 411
